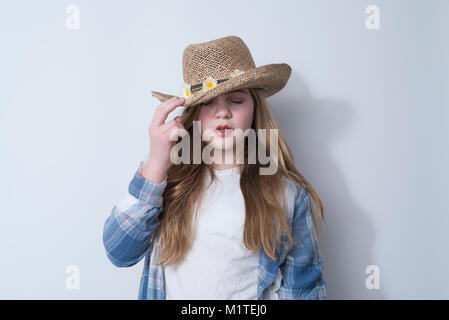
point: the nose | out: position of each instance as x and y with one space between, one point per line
222 109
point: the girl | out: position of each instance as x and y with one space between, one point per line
219 229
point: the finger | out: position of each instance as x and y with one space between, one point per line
167 126
177 131
165 108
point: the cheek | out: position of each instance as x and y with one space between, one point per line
203 116
245 117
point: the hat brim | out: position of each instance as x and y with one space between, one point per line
270 78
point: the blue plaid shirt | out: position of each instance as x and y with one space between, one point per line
296 274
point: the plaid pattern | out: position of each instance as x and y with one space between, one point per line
127 239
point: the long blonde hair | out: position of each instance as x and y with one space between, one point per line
185 189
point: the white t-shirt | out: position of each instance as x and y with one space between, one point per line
218 266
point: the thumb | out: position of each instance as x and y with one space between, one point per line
178 119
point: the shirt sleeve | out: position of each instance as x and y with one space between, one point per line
128 230
302 276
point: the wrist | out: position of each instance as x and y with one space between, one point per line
153 172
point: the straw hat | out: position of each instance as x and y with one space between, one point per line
221 65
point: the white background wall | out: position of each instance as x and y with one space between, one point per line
365 113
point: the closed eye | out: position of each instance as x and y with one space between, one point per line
233 101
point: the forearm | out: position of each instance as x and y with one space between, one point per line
128 229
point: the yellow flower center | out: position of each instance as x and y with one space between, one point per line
210 84
187 92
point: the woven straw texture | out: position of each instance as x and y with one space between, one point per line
219 59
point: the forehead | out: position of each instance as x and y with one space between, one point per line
236 91
244 91
240 90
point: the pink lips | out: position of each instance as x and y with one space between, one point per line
225 130
223 126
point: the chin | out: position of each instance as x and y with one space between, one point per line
223 144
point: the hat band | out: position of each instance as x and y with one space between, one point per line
199 86
187 90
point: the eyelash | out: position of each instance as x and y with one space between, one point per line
237 102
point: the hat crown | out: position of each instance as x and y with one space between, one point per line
217 59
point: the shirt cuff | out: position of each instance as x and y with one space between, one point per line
147 190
